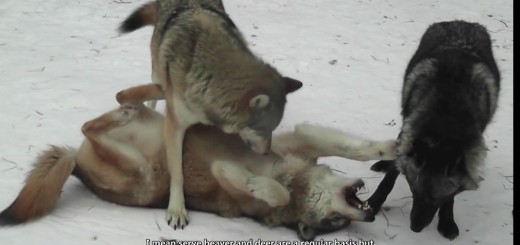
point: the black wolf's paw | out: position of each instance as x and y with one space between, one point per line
448 229
382 166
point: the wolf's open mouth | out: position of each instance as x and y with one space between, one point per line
353 200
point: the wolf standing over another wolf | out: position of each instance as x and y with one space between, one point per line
449 96
202 64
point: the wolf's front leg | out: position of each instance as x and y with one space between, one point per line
176 215
233 177
447 226
320 141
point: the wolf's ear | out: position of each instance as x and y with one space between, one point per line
259 102
291 84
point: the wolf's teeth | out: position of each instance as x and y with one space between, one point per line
359 206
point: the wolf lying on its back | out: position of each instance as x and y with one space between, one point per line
123 161
449 96
208 75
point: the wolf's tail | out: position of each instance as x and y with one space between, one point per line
144 15
42 186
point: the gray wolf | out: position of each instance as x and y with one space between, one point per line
123 160
449 96
208 75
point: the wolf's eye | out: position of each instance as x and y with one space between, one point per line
333 220
335 216
411 154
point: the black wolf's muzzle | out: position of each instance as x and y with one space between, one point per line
422 214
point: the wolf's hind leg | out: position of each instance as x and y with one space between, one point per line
121 155
139 94
238 179
320 141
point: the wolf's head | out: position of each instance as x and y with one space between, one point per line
326 202
260 111
436 171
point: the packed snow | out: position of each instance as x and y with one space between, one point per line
62 62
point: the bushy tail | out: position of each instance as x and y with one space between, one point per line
42 186
144 15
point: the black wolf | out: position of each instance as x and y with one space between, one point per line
449 96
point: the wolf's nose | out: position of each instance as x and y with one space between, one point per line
261 146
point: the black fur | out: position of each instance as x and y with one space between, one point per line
449 97
385 186
6 219
134 21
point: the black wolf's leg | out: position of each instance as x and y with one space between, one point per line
447 226
387 184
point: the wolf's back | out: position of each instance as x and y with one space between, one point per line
452 82
471 37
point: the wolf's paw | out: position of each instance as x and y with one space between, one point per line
88 126
268 190
387 150
125 113
177 216
378 150
383 166
448 229
120 96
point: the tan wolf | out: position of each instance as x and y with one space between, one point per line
123 160
208 75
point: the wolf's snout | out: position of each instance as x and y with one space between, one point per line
416 228
419 222
422 214
259 144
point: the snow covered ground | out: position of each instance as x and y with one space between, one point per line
62 62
